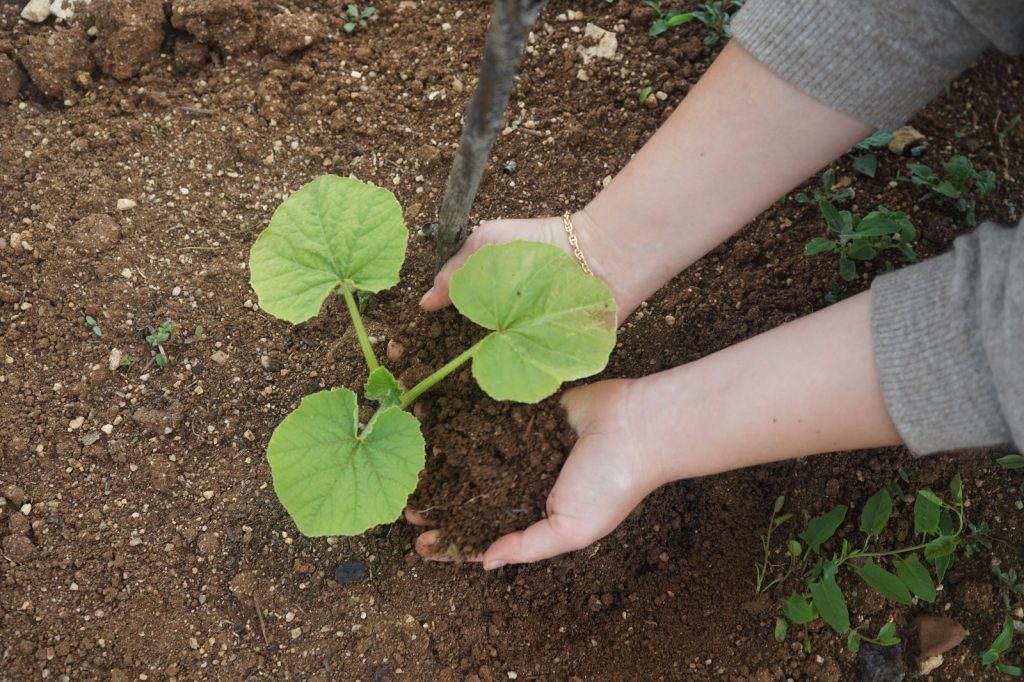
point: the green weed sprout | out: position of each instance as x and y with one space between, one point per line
830 191
861 239
961 186
356 17
156 341
549 323
715 16
999 646
939 525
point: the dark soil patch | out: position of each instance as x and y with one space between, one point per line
154 544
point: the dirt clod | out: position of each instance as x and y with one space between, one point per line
349 572
129 35
12 78
53 58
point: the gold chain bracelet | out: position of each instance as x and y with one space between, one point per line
567 224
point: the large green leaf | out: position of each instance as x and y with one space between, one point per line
831 604
876 513
916 577
551 322
885 583
335 481
926 512
798 610
821 528
330 232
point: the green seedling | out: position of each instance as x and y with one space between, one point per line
196 335
1010 584
716 17
645 92
867 164
91 323
356 17
665 20
999 646
832 191
961 185
861 239
549 323
897 574
156 341
1005 131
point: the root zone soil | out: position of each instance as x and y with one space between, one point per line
153 546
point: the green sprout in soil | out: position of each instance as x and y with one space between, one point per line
1005 131
999 646
91 323
1009 583
549 323
861 239
645 92
961 185
715 16
156 341
897 574
831 191
356 18
1013 462
867 164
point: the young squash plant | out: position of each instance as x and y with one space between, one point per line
549 323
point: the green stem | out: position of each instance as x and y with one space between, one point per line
453 365
357 322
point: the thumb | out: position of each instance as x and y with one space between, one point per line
437 296
545 539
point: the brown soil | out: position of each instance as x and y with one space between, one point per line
154 547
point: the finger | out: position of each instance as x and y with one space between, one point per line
427 547
542 540
437 296
415 518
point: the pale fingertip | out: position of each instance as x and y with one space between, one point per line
494 564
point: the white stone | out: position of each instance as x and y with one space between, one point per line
125 204
26 509
36 11
607 44
76 423
107 429
63 9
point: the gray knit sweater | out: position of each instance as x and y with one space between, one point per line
948 333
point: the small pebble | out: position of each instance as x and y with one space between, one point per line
349 572
176 291
26 509
125 204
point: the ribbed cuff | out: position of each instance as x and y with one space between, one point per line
937 382
879 62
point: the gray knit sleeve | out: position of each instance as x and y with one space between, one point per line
949 344
875 60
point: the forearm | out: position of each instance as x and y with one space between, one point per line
741 138
806 387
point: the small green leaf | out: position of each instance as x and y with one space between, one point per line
819 245
887 631
884 582
942 565
821 528
861 250
941 546
335 481
866 165
779 501
781 629
876 513
916 577
382 387
833 218
1011 462
794 548
97 331
853 641
1007 669
677 19
847 268
161 361
551 321
956 489
798 610
332 231
926 513
90 320
879 138
830 603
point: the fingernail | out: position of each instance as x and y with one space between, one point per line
494 564
426 296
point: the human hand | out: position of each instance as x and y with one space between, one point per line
607 474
